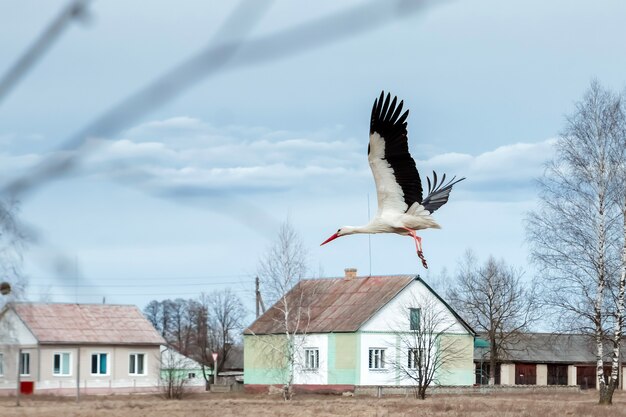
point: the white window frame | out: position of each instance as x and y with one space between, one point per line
69 365
145 363
376 355
108 360
311 359
24 355
413 359
1 363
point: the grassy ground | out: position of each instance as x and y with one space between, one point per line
226 405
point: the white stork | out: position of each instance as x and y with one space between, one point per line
401 208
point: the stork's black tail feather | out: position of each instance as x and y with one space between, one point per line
438 192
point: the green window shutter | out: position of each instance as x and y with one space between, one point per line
415 318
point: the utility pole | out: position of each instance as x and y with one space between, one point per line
259 300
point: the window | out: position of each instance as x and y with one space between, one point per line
99 363
1 363
377 358
414 358
414 316
191 375
136 364
61 364
25 363
312 358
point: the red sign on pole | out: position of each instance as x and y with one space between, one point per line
214 359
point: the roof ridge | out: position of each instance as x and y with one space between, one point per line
359 277
66 303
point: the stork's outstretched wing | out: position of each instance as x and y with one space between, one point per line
438 192
398 183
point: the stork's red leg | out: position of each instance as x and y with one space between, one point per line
418 246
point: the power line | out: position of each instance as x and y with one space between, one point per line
169 294
160 278
197 284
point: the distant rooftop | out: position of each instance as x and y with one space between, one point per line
549 348
87 323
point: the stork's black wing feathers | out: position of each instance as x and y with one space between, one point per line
438 192
391 126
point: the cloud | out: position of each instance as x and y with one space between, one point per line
506 170
185 156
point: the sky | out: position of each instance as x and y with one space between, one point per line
187 195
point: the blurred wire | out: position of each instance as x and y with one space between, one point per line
209 61
76 9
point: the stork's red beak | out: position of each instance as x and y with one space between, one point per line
333 237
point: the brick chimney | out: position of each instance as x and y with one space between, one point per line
350 273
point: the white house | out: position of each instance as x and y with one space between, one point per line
354 331
101 347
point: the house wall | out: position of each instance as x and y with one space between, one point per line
13 331
118 376
264 359
542 374
343 354
394 316
390 328
458 368
307 376
390 375
571 375
507 374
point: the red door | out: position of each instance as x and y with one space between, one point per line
525 374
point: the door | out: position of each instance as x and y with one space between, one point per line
525 374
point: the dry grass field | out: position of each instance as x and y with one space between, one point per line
223 405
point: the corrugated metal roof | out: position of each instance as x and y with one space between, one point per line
549 348
333 304
87 323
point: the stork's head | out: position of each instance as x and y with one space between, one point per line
346 230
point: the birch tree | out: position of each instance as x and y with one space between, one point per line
575 233
281 271
495 301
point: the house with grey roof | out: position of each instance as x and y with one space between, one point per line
101 348
349 334
545 359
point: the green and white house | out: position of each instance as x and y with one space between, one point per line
351 332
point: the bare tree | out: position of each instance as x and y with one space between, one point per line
12 243
198 327
173 376
576 231
281 271
495 301
204 342
424 348
218 320
153 311
227 313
